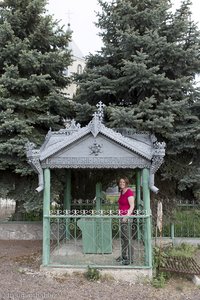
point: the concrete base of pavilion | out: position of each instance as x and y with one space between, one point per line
68 258
127 275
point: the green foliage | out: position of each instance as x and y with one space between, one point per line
159 256
159 278
159 281
185 220
187 223
32 216
92 274
183 250
145 74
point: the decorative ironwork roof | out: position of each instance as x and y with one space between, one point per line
96 146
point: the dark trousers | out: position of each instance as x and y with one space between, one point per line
127 236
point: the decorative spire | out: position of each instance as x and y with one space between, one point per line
69 13
95 124
69 28
100 108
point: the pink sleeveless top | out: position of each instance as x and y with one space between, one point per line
123 202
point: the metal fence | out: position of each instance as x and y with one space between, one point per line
184 222
99 240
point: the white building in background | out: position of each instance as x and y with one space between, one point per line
77 66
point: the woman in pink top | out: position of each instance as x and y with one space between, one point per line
126 204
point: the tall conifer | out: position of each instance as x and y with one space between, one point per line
33 54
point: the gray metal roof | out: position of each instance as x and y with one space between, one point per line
96 146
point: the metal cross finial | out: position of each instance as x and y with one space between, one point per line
95 115
69 13
100 105
100 109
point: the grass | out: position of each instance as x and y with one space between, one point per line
183 250
186 223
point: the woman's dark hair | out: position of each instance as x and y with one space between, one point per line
125 179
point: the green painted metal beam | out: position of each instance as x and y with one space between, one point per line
46 221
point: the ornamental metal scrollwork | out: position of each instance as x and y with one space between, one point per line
96 149
158 156
33 156
70 126
29 146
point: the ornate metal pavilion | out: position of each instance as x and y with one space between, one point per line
95 147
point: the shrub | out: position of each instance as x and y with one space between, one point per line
92 274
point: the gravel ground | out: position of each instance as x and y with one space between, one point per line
20 278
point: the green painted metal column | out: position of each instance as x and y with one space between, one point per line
138 189
67 200
98 196
138 201
67 191
46 218
172 230
147 228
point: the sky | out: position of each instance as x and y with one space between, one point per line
81 15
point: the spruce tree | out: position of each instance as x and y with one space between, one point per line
145 73
33 54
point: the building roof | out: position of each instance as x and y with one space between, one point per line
76 52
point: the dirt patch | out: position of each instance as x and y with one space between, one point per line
20 278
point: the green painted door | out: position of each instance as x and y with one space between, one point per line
96 235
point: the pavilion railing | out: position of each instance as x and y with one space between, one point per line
89 238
